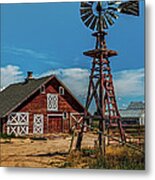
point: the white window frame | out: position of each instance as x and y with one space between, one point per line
65 117
61 90
50 106
42 89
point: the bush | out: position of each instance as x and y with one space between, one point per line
6 136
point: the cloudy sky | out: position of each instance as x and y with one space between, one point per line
49 38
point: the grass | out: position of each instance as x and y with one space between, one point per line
117 157
120 158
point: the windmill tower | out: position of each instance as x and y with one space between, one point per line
99 16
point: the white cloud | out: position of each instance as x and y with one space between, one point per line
74 78
129 83
26 51
10 74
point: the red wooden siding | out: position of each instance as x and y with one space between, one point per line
37 104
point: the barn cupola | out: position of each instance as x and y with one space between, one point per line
29 76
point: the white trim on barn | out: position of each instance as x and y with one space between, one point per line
18 123
65 115
52 102
38 124
76 119
61 90
142 119
53 115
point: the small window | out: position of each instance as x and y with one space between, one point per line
61 90
42 89
65 115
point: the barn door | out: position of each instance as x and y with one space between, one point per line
38 124
18 124
76 120
55 124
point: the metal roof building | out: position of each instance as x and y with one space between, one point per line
134 113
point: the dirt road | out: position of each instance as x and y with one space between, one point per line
51 152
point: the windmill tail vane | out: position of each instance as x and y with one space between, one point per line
99 16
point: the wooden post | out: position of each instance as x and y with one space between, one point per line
72 140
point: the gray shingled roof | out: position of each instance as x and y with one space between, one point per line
136 106
134 110
131 113
16 93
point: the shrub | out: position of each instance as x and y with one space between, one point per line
6 136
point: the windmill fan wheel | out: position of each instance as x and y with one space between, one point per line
107 11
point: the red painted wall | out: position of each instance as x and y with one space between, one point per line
37 104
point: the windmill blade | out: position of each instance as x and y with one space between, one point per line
105 25
113 15
109 19
85 11
86 16
132 12
85 5
93 25
112 8
91 2
113 2
89 20
130 8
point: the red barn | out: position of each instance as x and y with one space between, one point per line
38 106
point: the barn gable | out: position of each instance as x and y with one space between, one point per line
14 95
39 106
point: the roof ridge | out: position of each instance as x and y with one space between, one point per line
23 82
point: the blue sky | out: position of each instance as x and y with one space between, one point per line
51 38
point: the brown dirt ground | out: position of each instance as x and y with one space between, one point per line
21 152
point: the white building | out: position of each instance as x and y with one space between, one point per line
134 113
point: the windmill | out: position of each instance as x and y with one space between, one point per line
99 16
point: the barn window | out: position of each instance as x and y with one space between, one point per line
65 115
42 89
52 102
61 90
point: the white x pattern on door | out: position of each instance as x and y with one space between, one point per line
38 124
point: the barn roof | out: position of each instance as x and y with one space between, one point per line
15 94
136 106
134 110
131 113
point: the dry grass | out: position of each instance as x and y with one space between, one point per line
52 153
117 157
